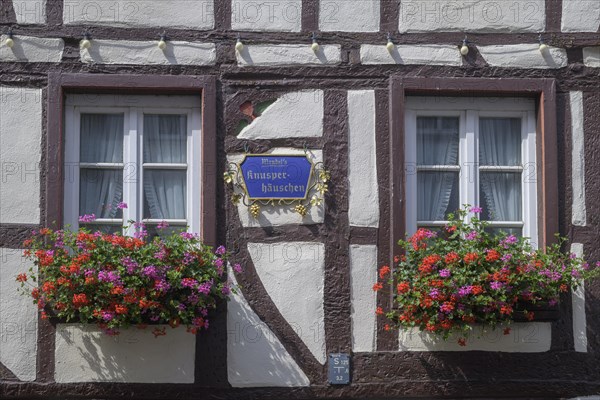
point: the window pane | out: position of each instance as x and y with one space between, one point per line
100 192
153 231
500 141
497 231
165 138
101 138
437 140
103 228
437 195
165 194
500 193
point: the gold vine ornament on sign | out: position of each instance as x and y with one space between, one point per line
291 180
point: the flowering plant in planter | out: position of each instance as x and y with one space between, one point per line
447 281
117 281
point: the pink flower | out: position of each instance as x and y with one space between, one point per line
220 250
87 218
162 225
476 210
122 205
237 268
107 316
472 235
445 273
189 282
465 291
205 287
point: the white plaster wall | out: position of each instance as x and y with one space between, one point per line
524 56
29 12
579 316
293 275
591 57
173 14
293 115
363 209
280 215
288 54
426 54
31 49
363 275
578 209
472 16
531 337
349 15
84 354
580 16
20 154
141 53
251 15
18 318
255 356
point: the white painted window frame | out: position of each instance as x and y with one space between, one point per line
469 110
133 108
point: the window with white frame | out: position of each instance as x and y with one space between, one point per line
477 151
133 158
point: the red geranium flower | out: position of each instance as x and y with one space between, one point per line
471 258
80 300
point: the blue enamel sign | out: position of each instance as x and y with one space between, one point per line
276 177
339 369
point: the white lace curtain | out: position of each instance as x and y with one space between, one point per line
437 144
165 142
499 145
101 189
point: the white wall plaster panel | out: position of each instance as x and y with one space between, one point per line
30 12
591 57
280 215
531 337
83 353
524 56
275 16
293 274
578 209
31 49
580 15
411 55
288 54
363 275
293 115
174 14
255 356
363 207
349 15
579 316
20 154
18 318
140 53
472 16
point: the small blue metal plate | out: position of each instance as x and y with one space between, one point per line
275 177
339 369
